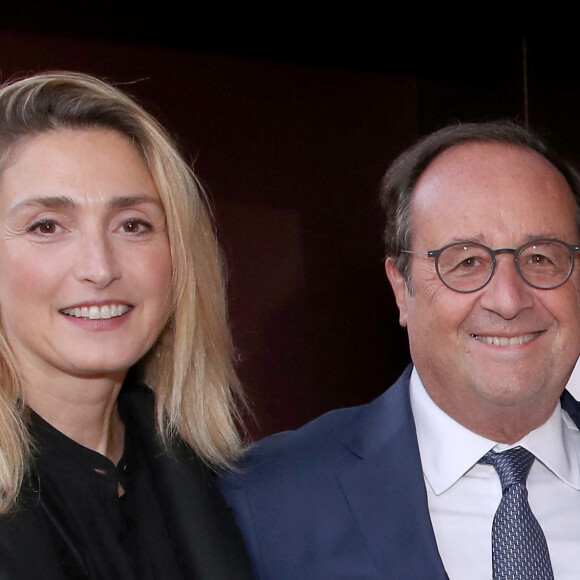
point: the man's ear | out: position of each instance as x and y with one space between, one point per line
400 289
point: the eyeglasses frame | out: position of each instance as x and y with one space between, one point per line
572 249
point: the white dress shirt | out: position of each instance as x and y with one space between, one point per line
463 495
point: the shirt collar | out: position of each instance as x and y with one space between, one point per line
449 450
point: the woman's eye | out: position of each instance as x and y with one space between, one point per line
44 227
135 226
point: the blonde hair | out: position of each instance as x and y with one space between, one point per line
190 367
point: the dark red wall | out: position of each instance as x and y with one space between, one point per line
292 156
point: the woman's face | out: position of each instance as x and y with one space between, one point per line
85 265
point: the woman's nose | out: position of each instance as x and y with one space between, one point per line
96 260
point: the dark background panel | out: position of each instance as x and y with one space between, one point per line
290 129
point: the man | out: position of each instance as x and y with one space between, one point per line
482 234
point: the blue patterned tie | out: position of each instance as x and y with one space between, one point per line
520 551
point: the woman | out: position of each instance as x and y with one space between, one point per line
109 281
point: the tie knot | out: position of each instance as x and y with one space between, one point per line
512 465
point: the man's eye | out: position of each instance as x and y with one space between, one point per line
44 227
539 259
469 262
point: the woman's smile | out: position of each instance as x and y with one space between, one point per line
97 312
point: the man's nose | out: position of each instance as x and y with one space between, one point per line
507 293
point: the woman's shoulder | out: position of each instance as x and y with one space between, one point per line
29 545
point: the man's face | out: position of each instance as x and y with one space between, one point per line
501 196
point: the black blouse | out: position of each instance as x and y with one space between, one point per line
170 522
118 537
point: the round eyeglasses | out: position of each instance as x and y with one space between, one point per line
468 266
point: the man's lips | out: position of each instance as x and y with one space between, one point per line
506 340
97 312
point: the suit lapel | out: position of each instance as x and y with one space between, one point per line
385 488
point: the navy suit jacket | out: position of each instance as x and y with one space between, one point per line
341 498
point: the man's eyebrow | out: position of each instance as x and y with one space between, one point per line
480 238
64 202
468 240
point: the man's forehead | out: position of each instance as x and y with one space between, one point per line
474 187
473 157
489 166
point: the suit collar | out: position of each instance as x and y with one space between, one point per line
388 473
571 406
382 420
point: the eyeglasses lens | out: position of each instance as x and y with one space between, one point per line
468 267
545 264
465 267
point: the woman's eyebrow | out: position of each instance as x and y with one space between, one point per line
64 202
49 202
132 200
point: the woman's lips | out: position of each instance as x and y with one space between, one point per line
95 312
